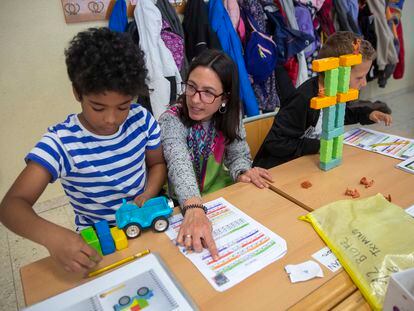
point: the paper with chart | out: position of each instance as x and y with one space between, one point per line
383 143
245 246
144 283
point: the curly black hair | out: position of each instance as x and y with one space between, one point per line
100 60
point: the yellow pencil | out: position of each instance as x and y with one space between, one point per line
118 263
391 143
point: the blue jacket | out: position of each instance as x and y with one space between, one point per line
221 24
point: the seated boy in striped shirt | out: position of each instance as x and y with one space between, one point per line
108 152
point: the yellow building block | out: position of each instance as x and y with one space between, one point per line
350 60
346 97
120 238
322 102
325 64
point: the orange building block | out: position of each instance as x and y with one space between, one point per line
350 60
325 64
346 97
322 102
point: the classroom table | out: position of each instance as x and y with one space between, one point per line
330 186
268 289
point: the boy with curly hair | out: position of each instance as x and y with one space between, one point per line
108 152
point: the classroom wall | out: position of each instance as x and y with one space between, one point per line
35 90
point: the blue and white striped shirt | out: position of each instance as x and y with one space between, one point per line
97 172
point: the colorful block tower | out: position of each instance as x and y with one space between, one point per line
332 100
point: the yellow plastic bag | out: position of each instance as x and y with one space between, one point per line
372 238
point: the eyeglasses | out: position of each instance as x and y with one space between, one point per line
205 96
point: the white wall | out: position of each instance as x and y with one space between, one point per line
35 90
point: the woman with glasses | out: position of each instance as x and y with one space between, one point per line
204 144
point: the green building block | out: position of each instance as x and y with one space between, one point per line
338 147
331 82
343 79
333 133
326 150
90 237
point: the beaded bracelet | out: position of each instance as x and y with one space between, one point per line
190 206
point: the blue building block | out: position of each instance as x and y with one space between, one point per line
340 114
328 118
330 165
105 237
332 134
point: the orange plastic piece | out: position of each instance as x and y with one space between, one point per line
322 102
364 181
352 193
346 97
306 184
325 64
350 60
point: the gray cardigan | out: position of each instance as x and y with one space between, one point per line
181 175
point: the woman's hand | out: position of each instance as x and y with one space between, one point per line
256 175
378 116
142 198
196 232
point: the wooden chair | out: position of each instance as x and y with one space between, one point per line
257 128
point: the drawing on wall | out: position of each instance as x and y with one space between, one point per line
85 10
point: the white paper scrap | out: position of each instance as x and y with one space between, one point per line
304 271
328 259
410 210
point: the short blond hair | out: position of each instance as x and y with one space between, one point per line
341 43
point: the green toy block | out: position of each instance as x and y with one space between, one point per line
330 165
338 145
343 79
331 82
332 134
326 150
90 237
340 114
328 118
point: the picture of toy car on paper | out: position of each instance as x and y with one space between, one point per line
153 214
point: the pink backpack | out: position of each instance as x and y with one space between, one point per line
174 43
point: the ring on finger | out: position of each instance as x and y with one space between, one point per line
189 236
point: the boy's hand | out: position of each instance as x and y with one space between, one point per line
142 198
378 116
71 251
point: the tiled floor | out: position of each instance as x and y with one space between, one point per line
17 252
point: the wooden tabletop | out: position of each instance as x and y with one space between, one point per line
331 185
269 288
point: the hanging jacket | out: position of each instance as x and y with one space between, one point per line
289 10
324 17
386 53
118 20
230 42
347 15
232 8
197 29
169 14
158 59
265 91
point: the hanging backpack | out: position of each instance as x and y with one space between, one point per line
260 53
304 19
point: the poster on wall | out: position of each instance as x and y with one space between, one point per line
76 11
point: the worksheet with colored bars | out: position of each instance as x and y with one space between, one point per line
383 143
245 246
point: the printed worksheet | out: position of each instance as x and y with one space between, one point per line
383 143
245 246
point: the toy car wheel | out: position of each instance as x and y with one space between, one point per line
142 291
160 224
124 300
133 230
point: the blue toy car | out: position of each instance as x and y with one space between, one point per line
154 213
